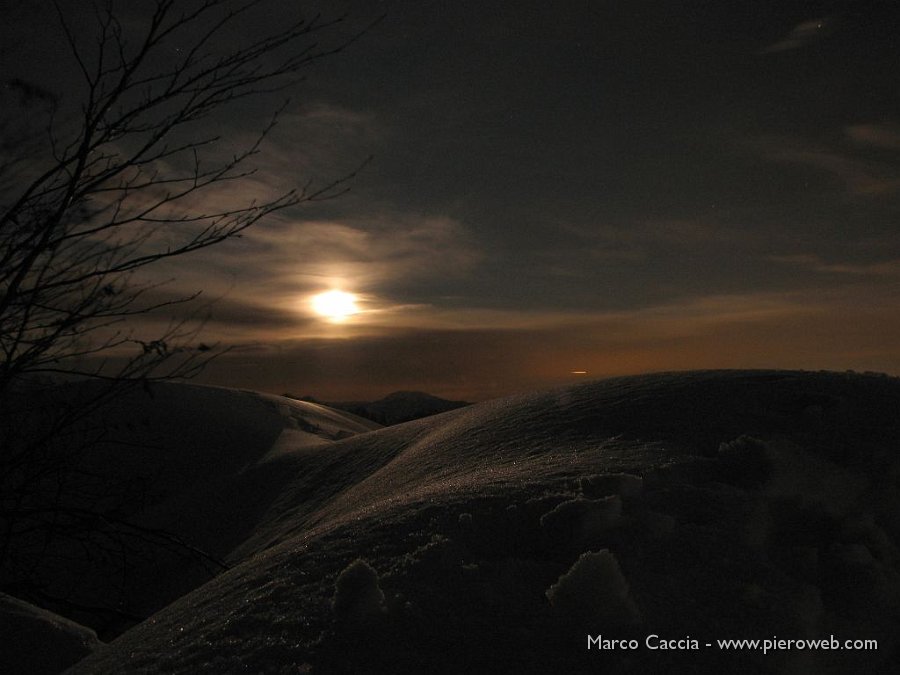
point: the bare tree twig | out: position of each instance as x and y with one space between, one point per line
117 191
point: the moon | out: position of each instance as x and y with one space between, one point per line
335 305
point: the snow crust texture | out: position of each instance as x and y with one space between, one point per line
496 538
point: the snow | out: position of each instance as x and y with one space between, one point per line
594 593
357 596
580 522
201 463
489 539
39 642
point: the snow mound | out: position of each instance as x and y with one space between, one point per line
39 642
581 521
740 505
594 593
357 596
603 485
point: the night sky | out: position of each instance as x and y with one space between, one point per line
607 187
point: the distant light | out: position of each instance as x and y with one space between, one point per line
579 372
335 305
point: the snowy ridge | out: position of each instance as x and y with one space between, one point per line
40 642
494 538
200 463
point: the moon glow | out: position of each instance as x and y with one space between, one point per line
335 305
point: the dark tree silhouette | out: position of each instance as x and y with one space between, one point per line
90 199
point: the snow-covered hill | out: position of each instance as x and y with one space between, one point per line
189 468
695 507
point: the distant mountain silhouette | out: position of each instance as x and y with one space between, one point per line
395 408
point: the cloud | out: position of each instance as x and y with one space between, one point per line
840 330
310 147
670 232
802 35
267 277
361 252
885 268
583 249
849 327
862 176
321 139
875 135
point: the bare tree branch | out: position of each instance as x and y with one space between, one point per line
117 191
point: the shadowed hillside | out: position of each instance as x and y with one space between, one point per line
496 538
176 474
396 408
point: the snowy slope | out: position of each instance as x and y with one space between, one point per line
200 464
39 642
496 538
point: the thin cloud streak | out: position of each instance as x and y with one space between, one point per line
875 135
814 263
861 176
275 268
844 329
802 35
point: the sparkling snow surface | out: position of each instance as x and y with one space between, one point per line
496 538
